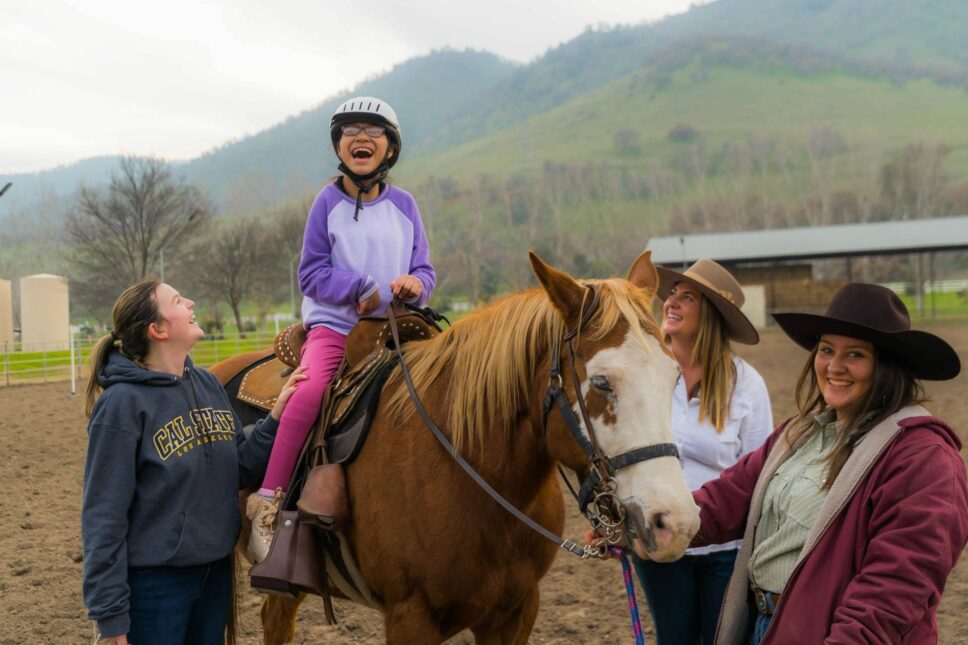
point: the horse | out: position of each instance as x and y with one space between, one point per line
439 554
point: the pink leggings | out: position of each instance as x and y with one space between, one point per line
322 352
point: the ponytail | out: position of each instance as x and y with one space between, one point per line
99 358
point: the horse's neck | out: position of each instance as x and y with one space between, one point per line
513 452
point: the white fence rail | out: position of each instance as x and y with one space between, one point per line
938 286
53 362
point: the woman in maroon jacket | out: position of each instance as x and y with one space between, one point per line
855 511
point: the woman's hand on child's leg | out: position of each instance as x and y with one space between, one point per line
406 287
369 305
298 374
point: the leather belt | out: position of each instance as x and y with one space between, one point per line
766 601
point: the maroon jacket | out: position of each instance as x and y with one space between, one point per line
875 565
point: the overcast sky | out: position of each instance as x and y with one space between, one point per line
175 78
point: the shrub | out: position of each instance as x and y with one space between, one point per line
682 133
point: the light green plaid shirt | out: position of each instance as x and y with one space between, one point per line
792 503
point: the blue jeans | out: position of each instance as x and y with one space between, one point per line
172 605
759 628
685 596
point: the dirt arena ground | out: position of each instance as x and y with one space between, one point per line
43 440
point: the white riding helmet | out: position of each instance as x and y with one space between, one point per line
370 110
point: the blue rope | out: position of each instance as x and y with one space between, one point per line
630 593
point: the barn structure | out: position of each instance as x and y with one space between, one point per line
776 267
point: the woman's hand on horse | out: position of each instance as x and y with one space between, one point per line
406 287
298 374
369 305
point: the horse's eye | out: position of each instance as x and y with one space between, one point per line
601 383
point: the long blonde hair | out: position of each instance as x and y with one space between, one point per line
712 350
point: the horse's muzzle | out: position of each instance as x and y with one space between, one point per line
656 535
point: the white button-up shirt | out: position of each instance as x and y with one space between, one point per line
704 452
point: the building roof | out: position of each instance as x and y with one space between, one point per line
875 238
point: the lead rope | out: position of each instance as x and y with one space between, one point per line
630 594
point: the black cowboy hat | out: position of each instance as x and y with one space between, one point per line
875 314
721 289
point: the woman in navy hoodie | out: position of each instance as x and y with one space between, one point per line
165 462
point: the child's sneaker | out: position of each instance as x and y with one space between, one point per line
261 511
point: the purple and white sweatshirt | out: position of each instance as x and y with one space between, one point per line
345 261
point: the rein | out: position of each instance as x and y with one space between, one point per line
605 510
584 552
598 497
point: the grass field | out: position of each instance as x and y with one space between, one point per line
937 306
724 103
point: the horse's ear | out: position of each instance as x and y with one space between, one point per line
643 274
565 292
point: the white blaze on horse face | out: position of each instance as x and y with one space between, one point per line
655 494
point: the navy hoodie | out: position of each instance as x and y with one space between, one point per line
166 459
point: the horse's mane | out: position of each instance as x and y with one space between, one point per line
489 357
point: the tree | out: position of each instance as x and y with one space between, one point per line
116 236
288 223
823 145
231 259
912 184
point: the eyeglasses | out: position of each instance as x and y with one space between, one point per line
352 130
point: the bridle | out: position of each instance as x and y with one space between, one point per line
597 495
598 499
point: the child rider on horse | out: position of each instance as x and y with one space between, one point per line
364 244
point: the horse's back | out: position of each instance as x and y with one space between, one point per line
232 366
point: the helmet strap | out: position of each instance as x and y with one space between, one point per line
365 182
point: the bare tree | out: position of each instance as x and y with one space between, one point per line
471 253
231 260
823 144
912 184
430 197
117 236
556 186
865 165
288 223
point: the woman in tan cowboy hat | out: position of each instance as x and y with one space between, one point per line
855 511
720 412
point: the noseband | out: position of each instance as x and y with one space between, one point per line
597 496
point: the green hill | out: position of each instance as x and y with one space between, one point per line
296 155
725 90
926 33
735 114
913 37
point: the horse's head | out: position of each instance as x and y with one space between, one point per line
626 376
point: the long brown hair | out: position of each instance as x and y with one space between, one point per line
134 310
712 350
893 387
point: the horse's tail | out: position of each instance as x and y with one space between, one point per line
232 628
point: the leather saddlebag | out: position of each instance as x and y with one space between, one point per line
295 561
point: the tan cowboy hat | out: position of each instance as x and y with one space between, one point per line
721 289
875 314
